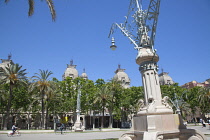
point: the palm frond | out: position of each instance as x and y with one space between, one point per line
31 7
14 74
52 10
6 1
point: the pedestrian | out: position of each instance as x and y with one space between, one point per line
62 127
203 123
209 123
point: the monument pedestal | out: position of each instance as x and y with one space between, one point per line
78 127
160 127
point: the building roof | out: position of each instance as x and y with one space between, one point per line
4 63
84 75
122 76
70 71
195 84
165 79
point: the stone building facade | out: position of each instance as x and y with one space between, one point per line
165 79
120 75
195 83
84 75
4 63
70 71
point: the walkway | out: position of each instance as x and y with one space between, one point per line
87 135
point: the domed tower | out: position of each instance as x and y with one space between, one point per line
4 63
122 76
165 79
71 71
84 75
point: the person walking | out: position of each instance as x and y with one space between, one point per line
203 123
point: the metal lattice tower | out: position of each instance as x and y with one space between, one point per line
140 25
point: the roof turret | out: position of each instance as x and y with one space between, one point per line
165 79
122 76
71 71
84 75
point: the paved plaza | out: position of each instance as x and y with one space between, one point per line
87 135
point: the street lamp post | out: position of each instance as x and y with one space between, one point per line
142 35
155 119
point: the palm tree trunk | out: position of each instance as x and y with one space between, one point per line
110 113
194 118
110 119
46 118
8 107
102 122
42 120
94 123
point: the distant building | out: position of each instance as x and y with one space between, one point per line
4 63
84 75
165 79
120 75
196 117
208 80
70 71
195 83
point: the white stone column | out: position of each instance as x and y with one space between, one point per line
77 125
155 120
147 61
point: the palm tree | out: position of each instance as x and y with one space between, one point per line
115 87
12 76
31 8
44 87
102 96
192 100
4 95
204 100
50 96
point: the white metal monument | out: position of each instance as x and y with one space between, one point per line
155 119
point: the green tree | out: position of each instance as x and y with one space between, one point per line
204 100
4 96
178 98
100 83
102 96
88 97
115 88
88 92
192 100
13 75
51 96
44 86
68 95
129 101
136 94
31 7
55 101
21 99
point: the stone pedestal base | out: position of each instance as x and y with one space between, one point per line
78 127
161 127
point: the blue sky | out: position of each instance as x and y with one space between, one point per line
81 33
